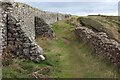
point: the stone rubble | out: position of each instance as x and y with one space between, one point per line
101 44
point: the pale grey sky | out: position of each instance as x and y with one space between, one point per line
76 7
67 0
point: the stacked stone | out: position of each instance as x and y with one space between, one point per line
20 44
27 15
83 33
101 44
2 36
19 37
4 10
42 28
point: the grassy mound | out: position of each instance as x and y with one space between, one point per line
90 23
107 24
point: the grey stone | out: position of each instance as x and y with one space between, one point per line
100 43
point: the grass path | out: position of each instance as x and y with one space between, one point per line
70 58
66 57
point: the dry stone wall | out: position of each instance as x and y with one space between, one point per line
26 14
42 28
3 26
19 44
101 44
19 25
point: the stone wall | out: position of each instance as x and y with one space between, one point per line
19 25
42 28
3 28
26 14
19 44
100 44
15 39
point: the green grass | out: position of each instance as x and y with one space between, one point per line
115 21
91 23
74 57
66 57
106 24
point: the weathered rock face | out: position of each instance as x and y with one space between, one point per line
100 44
42 28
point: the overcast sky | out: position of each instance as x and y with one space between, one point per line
78 7
67 0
